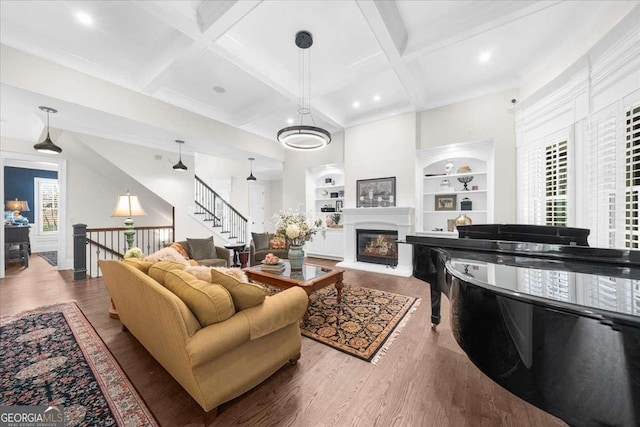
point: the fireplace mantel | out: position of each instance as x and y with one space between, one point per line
400 219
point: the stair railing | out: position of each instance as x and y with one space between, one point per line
219 212
94 244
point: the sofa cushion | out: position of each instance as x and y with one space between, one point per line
139 264
202 248
159 270
244 295
260 240
204 273
215 262
209 302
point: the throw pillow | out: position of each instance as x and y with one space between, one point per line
210 303
139 264
204 273
182 251
159 270
166 254
233 272
244 295
277 242
202 248
260 241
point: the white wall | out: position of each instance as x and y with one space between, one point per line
273 202
381 149
297 162
487 117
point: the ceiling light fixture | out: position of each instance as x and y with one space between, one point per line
47 146
84 18
179 166
377 98
304 137
251 177
356 104
484 56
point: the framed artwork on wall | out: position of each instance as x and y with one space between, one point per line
445 202
376 192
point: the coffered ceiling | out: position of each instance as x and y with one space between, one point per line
236 61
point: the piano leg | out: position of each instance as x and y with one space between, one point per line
435 305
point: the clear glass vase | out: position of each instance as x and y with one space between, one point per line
296 257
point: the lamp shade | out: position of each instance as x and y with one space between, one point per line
128 206
17 205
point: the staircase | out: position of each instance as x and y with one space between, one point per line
213 209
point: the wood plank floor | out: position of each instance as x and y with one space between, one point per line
424 379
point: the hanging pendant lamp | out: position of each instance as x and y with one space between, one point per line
47 146
304 137
251 177
179 166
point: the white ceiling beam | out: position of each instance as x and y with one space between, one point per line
385 23
227 17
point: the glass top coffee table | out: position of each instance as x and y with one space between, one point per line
311 278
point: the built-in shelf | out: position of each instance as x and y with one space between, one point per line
454 192
325 187
329 244
455 212
333 199
434 163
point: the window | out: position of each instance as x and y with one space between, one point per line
47 205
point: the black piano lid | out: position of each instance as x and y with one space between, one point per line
577 254
624 264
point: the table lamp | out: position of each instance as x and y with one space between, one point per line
17 206
128 206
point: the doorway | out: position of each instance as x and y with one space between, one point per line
256 211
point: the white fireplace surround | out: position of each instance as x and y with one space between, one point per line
398 219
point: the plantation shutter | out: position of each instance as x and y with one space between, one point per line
632 177
48 205
556 183
601 171
531 184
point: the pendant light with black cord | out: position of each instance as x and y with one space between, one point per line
251 177
304 137
180 166
47 146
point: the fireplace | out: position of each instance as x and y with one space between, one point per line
377 246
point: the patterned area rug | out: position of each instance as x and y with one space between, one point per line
53 356
50 257
363 326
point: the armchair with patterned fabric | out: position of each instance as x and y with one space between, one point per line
263 243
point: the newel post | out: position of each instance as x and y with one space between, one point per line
79 251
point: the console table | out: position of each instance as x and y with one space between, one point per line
17 247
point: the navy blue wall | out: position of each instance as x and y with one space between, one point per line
18 183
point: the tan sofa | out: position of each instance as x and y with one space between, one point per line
215 363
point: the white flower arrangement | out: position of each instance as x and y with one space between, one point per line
294 226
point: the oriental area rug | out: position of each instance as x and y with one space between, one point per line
364 325
52 356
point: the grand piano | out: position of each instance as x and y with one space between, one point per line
544 315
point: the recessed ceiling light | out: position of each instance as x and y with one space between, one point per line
377 98
356 104
219 89
84 18
290 121
484 56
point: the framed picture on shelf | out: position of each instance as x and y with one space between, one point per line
338 205
445 202
377 192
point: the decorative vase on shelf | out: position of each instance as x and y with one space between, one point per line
296 257
462 220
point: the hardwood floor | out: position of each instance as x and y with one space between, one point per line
424 379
